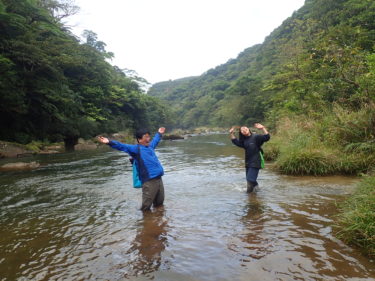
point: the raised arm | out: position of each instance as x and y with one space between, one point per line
157 138
260 126
235 141
266 136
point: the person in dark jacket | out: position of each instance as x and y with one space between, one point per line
252 143
149 168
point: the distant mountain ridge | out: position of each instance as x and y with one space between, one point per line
289 70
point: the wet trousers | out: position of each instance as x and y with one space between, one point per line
152 193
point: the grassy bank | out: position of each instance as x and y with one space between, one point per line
336 142
356 221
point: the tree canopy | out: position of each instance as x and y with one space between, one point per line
54 87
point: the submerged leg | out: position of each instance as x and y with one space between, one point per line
149 191
159 198
251 177
250 187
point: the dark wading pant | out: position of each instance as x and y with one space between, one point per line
251 177
152 193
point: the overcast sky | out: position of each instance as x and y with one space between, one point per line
170 39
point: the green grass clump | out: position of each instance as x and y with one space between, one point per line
340 141
271 152
306 162
35 146
357 217
355 163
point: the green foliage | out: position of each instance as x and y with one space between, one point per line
271 151
36 146
52 87
306 162
338 142
357 217
322 54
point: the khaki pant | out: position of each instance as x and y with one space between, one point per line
152 193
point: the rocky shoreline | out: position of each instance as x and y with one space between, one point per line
19 151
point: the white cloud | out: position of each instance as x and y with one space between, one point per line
169 39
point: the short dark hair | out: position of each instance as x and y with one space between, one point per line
140 133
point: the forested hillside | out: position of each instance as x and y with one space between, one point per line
320 57
54 87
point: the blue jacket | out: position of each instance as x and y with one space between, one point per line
148 164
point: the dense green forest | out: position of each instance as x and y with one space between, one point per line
54 87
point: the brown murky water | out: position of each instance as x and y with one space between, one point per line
76 218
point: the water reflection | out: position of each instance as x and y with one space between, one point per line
253 220
149 243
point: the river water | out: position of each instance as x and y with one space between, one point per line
77 218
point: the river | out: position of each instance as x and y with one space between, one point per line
77 218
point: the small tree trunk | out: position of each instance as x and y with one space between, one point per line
70 142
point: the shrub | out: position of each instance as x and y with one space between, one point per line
306 162
356 220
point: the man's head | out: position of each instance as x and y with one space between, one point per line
143 137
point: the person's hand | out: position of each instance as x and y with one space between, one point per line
161 130
231 131
103 140
258 126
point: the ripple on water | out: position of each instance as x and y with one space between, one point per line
77 219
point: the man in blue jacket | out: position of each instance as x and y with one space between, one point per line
149 168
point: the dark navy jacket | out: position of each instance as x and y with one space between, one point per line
148 164
252 145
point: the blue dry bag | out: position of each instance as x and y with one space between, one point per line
136 181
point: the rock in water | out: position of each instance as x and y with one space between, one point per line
19 166
173 137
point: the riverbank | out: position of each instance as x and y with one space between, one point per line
339 142
176 134
356 221
333 143
17 150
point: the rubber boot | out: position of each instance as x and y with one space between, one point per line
256 187
250 187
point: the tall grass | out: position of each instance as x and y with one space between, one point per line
357 217
337 142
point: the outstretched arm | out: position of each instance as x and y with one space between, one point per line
157 138
128 148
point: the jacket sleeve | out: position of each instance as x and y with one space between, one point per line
128 148
155 141
263 138
238 143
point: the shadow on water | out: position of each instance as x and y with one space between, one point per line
77 218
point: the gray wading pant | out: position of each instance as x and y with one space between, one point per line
152 193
